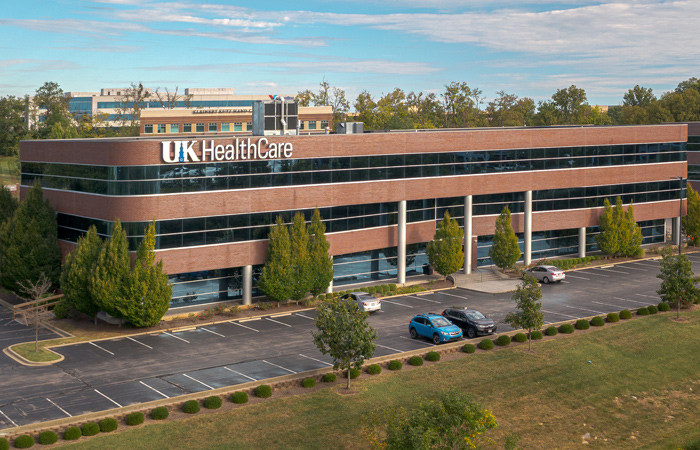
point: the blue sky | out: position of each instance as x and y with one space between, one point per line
525 47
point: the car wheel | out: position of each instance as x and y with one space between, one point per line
414 333
471 333
545 280
436 338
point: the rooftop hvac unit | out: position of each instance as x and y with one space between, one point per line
276 117
350 128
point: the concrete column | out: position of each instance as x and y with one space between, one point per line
582 242
528 228
247 284
330 285
401 250
468 234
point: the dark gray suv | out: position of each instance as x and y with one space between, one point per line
470 320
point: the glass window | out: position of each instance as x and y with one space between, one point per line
200 128
248 126
226 126
312 124
324 124
238 126
148 128
212 127
161 128
174 127
301 124
187 128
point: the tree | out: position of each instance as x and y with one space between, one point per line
35 291
170 99
691 222
132 101
527 300
453 421
304 97
571 104
8 204
109 283
505 250
619 232
57 117
639 96
78 270
460 109
300 264
12 126
507 110
327 96
275 279
320 261
365 109
678 282
342 332
630 233
608 239
445 251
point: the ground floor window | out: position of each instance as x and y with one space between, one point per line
209 286
375 265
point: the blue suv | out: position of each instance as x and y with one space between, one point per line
434 327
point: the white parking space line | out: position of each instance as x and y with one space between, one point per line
11 421
628 267
584 309
305 317
154 389
241 374
418 341
452 295
390 348
608 304
314 359
559 314
611 270
644 263
92 343
64 411
240 325
131 339
633 301
194 379
277 321
118 405
575 276
424 299
394 303
648 296
185 340
283 368
212 332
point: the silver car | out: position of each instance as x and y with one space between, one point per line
546 274
365 301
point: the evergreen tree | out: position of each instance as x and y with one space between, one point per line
505 250
300 268
678 282
608 239
109 283
78 270
691 222
8 204
445 252
29 243
619 232
527 300
320 261
275 280
631 233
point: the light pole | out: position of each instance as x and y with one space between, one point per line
680 227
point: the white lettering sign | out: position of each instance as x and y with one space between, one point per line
238 150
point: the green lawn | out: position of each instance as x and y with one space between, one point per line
640 390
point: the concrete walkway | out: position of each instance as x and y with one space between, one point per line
486 281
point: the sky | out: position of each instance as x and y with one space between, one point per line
529 48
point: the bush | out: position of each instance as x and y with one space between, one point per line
191 407
135 418
239 398
415 361
639 253
160 413
520 337
392 287
469 348
551 331
354 373
625 314
433 356
372 290
612 317
4 444
46 438
110 424
536 335
692 445
329 378
24 441
395 364
329 296
567 328
486 344
652 309
72 434
90 429
503 340
597 321
663 307
643 311
582 324
60 309
308 382
374 369
212 402
263 391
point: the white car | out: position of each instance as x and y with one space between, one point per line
365 301
546 274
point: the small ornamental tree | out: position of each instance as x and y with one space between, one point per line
300 268
527 300
342 332
320 261
275 279
619 232
110 279
678 282
608 239
630 233
691 221
505 251
445 252
77 271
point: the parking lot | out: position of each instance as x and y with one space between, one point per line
105 374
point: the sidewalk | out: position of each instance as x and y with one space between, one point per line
486 281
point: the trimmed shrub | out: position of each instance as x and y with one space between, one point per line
663 307
395 364
639 253
520 337
24 441
110 424
415 361
374 369
372 290
263 391
61 309
4 444
160 413
47 438
329 378
503 340
308 382
567 328
597 321
72 434
625 314
486 344
239 398
536 335
551 331
433 356
329 296
135 418
90 429
191 407
469 348
613 317
643 311
652 309
354 373
212 402
582 324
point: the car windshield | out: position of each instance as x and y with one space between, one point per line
475 315
554 269
365 297
440 322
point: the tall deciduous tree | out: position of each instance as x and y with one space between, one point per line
300 264
529 315
691 222
12 126
342 332
78 270
320 261
109 283
275 280
505 250
678 282
132 101
58 121
445 251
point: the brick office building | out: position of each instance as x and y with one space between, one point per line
380 194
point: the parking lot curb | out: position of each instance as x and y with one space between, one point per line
25 362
